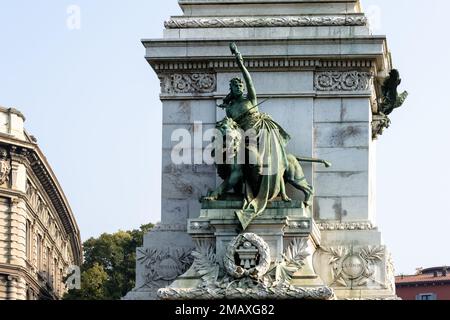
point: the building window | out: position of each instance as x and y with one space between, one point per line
39 253
49 265
426 296
55 274
28 240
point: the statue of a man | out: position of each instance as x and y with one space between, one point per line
268 183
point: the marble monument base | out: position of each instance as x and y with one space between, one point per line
272 259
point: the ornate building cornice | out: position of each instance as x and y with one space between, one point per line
257 22
255 63
31 156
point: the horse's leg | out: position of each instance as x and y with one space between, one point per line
234 178
303 186
283 191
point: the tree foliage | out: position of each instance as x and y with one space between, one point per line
108 271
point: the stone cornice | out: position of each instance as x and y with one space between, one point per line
149 43
32 281
255 63
266 21
267 53
13 111
32 154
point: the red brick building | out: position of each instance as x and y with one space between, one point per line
426 284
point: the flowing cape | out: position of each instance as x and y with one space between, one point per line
271 149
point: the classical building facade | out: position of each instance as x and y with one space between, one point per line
39 237
426 284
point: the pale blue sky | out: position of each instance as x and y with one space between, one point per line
92 101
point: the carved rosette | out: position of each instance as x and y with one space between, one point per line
193 83
5 166
354 267
163 264
249 22
342 81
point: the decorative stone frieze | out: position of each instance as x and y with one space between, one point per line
250 22
193 83
331 226
342 81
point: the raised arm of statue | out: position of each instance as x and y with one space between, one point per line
251 92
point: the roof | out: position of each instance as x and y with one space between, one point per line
421 278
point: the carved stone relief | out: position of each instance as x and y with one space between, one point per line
353 268
248 22
342 81
163 264
5 166
247 272
194 83
331 226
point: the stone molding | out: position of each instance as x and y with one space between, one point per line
254 63
194 83
331 226
169 228
256 22
342 81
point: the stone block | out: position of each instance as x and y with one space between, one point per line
266 33
327 208
295 116
189 111
195 207
343 159
338 135
187 185
169 166
174 211
342 184
344 209
266 9
271 82
356 109
338 238
327 110
187 132
355 209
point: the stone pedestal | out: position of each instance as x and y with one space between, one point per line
288 231
321 70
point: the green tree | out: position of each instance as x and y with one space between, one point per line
108 271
